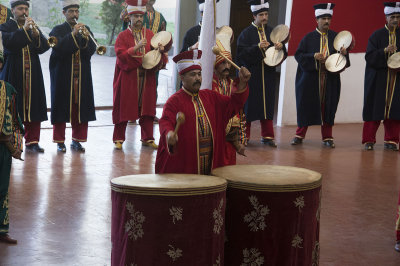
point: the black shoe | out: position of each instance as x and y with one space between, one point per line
269 142
329 143
369 146
61 147
77 146
397 246
34 148
296 141
390 147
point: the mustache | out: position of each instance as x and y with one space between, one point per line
226 69
197 82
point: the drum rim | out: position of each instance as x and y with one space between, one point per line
148 53
279 52
155 46
275 29
180 187
339 70
390 59
342 33
254 184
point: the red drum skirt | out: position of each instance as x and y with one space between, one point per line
172 219
272 215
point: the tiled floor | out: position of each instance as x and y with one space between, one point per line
60 203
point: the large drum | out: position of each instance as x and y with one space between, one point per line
272 215
168 220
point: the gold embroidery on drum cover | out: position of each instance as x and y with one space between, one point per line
218 220
218 261
134 226
256 218
174 253
299 203
176 213
5 206
315 255
318 215
252 257
297 242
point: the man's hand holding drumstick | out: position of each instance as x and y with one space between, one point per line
172 136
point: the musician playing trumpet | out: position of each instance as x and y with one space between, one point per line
72 98
251 46
23 43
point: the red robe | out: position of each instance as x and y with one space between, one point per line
219 109
126 80
230 151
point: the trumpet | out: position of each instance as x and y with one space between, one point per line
100 49
51 40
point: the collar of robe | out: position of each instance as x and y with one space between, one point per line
389 29
191 94
320 32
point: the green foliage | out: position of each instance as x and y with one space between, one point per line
109 14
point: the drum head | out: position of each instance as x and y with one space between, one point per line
269 177
343 39
274 57
168 184
162 37
225 30
394 61
336 63
151 59
280 34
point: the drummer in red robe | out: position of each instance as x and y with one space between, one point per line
134 87
223 84
199 144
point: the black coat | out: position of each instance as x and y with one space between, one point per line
261 102
14 40
191 37
307 82
61 79
376 74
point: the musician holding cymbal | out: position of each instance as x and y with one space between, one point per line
252 43
198 145
317 90
382 84
135 87
23 42
72 98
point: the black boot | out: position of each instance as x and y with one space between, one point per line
329 143
77 146
61 147
296 141
390 147
34 148
369 146
269 142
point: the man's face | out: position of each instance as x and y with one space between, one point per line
324 23
19 12
261 18
192 80
71 14
136 20
223 68
393 20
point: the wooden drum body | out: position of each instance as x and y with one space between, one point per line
272 215
168 220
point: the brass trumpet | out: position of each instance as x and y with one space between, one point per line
100 49
51 40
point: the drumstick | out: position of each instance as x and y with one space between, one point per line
180 119
217 51
339 57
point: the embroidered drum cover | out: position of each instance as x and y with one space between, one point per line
272 215
172 219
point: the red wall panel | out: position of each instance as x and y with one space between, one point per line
361 18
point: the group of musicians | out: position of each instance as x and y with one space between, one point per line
217 121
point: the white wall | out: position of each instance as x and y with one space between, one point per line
351 98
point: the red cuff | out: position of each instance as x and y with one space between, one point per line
131 52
